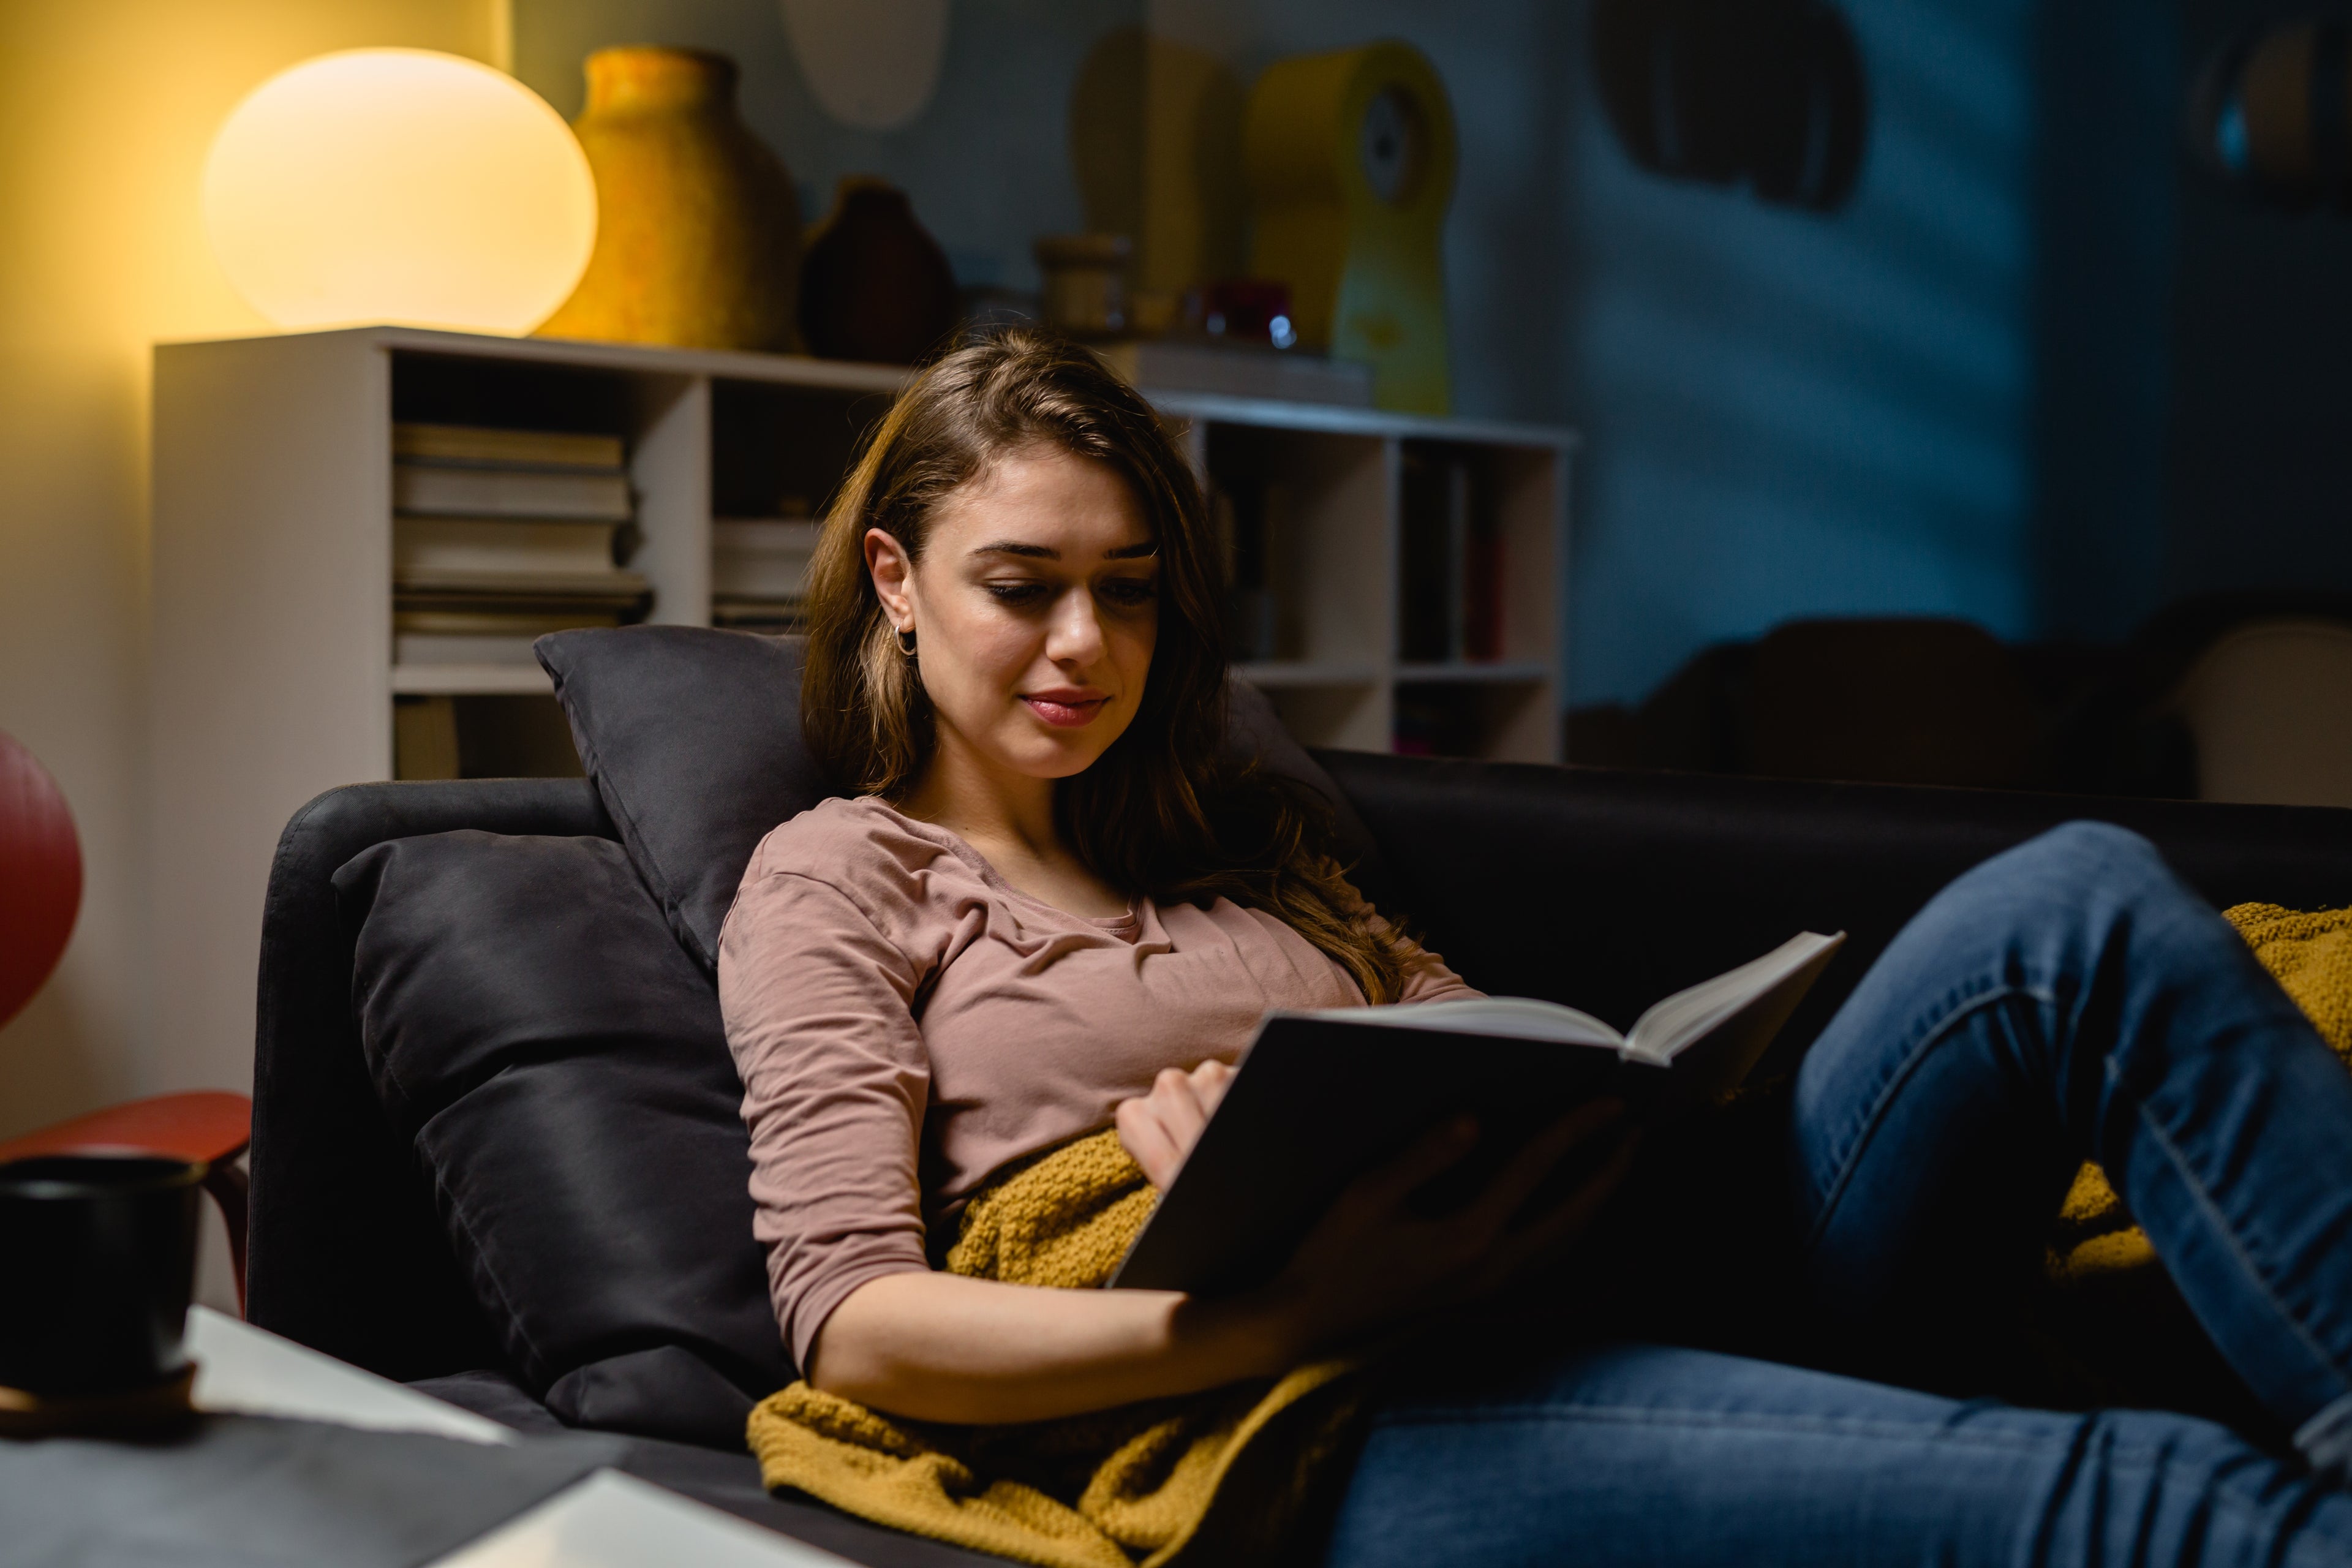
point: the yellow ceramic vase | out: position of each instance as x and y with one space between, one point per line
698 231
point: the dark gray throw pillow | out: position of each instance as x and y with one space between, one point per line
693 739
558 1063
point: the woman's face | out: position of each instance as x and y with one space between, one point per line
1035 608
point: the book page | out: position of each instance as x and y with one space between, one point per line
1688 1015
1511 1017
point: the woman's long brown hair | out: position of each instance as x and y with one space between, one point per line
1164 812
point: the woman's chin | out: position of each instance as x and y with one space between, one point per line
1067 763
1057 754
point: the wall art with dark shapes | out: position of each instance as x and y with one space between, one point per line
1765 93
2268 113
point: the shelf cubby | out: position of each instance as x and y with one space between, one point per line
482 735
779 450
1483 712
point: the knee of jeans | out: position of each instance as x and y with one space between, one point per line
2103 840
2076 873
2093 859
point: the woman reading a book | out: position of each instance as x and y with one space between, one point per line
1057 906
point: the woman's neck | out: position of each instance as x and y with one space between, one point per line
962 795
1009 820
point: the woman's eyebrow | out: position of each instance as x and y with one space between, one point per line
1048 552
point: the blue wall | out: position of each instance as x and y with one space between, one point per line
1801 414
2259 446
2106 209
1787 413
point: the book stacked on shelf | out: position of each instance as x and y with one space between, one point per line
759 572
499 536
1450 604
1252 519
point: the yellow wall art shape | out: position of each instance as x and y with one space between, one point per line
1350 157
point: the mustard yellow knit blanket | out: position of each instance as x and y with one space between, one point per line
2311 954
1220 1477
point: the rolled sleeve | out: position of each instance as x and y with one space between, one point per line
819 1010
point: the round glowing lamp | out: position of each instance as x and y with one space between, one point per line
399 185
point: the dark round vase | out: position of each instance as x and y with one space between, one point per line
100 1254
875 286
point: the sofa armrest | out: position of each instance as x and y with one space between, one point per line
345 1250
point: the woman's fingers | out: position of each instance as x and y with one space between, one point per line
1146 1137
1375 1260
1179 1105
1572 1215
1443 1145
1210 1080
1518 1181
1159 1127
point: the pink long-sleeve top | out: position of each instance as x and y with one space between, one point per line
907 1022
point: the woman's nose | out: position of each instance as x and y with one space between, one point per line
1074 635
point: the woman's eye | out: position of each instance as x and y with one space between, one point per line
1131 593
1016 593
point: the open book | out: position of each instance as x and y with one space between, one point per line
1322 1097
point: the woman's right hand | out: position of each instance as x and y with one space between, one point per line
1158 1129
1372 1262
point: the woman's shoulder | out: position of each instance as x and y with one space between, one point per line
857 845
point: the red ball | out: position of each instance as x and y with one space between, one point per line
40 875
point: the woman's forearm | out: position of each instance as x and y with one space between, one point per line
940 1347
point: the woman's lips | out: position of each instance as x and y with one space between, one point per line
1065 712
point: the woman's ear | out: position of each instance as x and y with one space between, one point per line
893 574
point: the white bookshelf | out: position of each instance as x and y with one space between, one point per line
272 555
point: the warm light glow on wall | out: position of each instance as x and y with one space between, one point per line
399 185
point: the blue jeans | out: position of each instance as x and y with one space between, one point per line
2069 999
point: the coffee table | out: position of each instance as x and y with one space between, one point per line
607 1520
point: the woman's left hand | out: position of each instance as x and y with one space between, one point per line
1160 1128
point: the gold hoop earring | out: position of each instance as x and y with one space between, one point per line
906 641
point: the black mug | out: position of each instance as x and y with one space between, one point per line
98 1255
